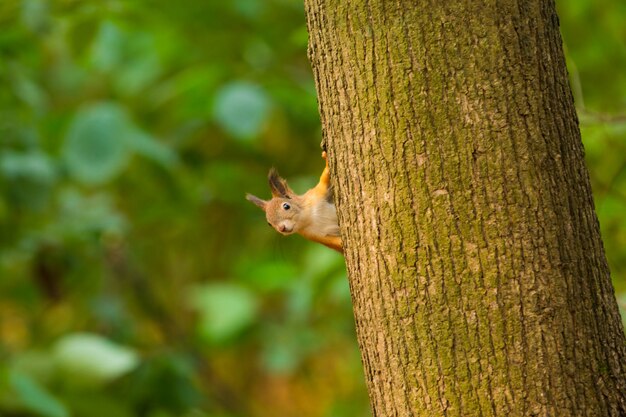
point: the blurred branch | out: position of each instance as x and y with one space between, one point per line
589 116
612 185
119 263
48 268
577 87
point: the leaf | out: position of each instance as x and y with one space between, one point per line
95 148
269 276
250 9
284 347
147 146
280 358
102 138
225 310
35 14
106 51
89 359
30 92
34 397
130 56
82 216
241 108
141 65
29 178
34 166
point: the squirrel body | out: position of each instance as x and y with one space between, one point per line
312 215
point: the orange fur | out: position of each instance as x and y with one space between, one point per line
311 215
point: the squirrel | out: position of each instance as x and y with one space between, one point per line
312 214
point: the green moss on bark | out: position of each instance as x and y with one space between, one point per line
479 282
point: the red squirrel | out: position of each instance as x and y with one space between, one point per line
312 214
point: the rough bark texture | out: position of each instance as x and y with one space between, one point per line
478 276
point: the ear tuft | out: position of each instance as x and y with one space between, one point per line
278 185
256 201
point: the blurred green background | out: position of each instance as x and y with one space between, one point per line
135 280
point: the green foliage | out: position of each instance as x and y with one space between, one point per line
99 143
91 360
224 310
95 148
31 396
135 280
241 109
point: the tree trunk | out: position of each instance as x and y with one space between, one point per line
478 276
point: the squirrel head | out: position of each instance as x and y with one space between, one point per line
283 210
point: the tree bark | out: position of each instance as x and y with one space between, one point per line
478 277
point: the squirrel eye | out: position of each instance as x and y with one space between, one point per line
286 206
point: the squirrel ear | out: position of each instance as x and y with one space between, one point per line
256 201
278 185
